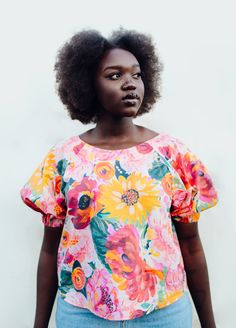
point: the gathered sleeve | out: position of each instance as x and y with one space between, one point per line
195 191
43 193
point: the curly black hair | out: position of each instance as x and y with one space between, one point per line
78 60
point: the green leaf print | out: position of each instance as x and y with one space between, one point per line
83 291
158 170
61 166
76 264
177 183
145 306
66 185
92 264
63 291
165 273
201 206
65 278
161 294
144 231
99 229
120 171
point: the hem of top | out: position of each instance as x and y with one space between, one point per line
123 319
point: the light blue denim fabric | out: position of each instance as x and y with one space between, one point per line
176 315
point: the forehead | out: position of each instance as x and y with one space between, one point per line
118 57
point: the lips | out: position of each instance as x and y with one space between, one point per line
131 96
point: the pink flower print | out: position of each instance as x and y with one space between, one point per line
144 148
80 198
26 193
166 151
69 258
175 279
136 314
83 250
130 272
76 299
162 245
193 174
78 147
102 295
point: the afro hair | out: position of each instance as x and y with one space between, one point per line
77 62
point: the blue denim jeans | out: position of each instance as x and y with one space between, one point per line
176 315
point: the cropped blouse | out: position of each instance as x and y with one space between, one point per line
119 254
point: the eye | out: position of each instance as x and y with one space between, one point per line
137 75
114 76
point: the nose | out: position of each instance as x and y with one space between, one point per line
128 84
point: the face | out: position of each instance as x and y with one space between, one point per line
119 85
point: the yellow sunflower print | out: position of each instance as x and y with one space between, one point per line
129 199
43 174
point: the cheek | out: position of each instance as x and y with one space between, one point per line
106 94
141 88
108 90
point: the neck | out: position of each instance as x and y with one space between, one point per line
115 127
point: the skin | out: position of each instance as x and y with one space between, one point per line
117 76
196 271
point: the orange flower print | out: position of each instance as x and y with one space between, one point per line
166 183
104 170
193 174
65 238
178 166
58 184
182 203
60 208
129 270
78 278
169 298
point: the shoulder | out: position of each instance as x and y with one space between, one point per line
170 145
65 147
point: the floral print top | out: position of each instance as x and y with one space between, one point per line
119 254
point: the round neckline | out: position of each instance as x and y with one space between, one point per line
120 149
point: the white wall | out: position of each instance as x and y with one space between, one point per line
196 41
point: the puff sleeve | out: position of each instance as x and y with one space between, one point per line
194 192
43 193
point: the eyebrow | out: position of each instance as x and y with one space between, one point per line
119 67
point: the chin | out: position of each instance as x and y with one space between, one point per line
129 112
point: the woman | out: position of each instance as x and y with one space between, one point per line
120 203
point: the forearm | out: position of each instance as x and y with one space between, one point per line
198 283
46 288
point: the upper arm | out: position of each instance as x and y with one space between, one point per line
186 231
188 236
51 239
